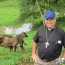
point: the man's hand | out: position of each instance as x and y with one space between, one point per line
59 61
34 57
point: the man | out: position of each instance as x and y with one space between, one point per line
49 40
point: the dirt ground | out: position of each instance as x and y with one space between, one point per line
24 62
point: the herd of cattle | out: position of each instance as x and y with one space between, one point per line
13 42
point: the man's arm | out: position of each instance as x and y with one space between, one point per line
34 55
63 54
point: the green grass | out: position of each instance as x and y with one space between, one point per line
13 58
9 58
9 12
8 16
9 3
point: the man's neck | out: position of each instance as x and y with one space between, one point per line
51 27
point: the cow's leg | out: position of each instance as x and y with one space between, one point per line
22 45
14 48
22 49
11 47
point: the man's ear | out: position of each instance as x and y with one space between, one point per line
55 19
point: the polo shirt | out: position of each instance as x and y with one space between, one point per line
56 42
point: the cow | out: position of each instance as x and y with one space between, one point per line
1 38
13 42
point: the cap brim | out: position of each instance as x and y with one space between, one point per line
50 17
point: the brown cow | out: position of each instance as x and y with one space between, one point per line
13 42
1 38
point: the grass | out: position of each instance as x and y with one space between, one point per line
20 56
9 12
8 16
7 57
9 3
13 58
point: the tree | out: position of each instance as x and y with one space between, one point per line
36 8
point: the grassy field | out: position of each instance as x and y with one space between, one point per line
8 16
19 57
14 58
9 12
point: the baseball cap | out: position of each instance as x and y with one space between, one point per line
50 14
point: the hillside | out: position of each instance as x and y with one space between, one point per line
9 12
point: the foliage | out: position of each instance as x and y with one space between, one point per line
36 9
24 11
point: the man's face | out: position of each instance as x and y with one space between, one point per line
50 23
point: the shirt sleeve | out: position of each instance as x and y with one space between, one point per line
36 37
63 40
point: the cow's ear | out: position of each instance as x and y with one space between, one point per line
25 34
